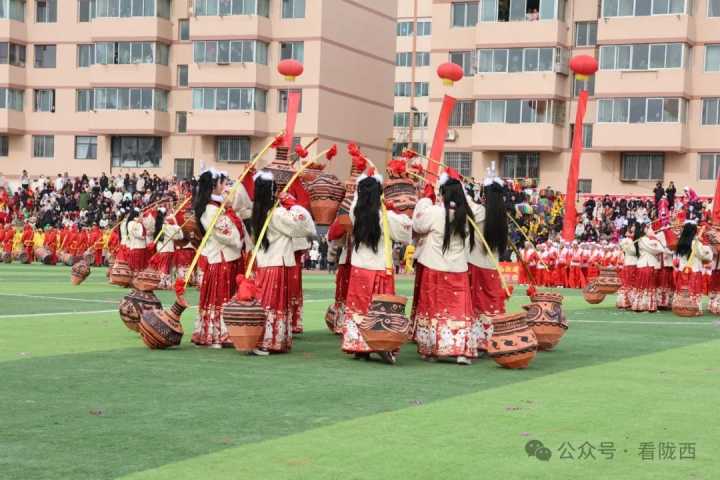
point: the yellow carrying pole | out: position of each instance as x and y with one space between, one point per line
387 241
117 224
492 257
263 230
182 205
525 237
210 228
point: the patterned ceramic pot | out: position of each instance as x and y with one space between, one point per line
23 257
546 318
245 322
683 305
281 169
7 257
513 344
120 274
608 281
161 329
43 255
386 328
134 304
80 271
147 280
326 193
402 193
592 294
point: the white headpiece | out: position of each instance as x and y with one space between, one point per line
265 175
492 177
376 176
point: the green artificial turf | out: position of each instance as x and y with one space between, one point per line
82 398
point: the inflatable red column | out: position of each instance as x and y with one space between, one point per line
716 203
583 66
291 69
450 73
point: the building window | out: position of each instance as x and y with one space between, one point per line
641 8
641 110
131 99
182 75
520 10
283 100
86 10
642 56
460 161
136 152
464 14
711 111
405 28
424 28
46 11
43 146
584 185
402 119
229 99
400 147
712 58
466 59
4 145
512 60
125 53
463 114
44 100
293 8
713 8
585 34
184 29
709 165
181 122
13 9
294 50
586 133
404 89
232 7
520 164
12 54
134 8
233 149
11 99
226 51
85 148
521 111
85 55
404 59
588 85
84 100
44 56
642 166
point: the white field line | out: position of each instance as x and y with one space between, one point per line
43 297
53 314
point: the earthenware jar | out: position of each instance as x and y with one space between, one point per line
120 274
281 169
683 304
546 318
513 344
134 304
79 272
245 321
326 192
608 281
385 328
161 329
147 280
592 294
401 191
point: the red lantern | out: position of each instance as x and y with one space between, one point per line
583 66
450 73
290 69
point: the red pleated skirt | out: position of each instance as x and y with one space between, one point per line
274 295
217 288
183 257
363 284
644 292
488 296
137 259
122 254
295 291
162 262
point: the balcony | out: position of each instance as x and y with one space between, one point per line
140 74
12 122
131 122
13 30
539 33
519 85
230 27
147 29
227 122
655 28
233 74
667 137
11 75
662 83
539 137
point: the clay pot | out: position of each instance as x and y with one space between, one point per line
402 193
513 344
43 255
683 305
385 328
80 271
68 259
334 318
546 318
89 257
191 232
120 274
281 169
161 329
311 173
7 257
23 258
326 193
592 294
245 321
608 282
147 280
134 304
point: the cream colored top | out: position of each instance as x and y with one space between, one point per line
171 233
225 242
285 226
400 232
703 254
136 235
429 220
628 249
649 251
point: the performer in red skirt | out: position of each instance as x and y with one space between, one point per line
340 241
369 274
629 270
9 239
563 264
51 243
714 288
447 325
27 241
163 260
689 259
300 246
648 248
222 253
576 278
595 261
95 240
276 260
137 255
665 276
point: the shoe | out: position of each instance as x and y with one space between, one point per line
216 346
464 361
388 357
260 353
428 358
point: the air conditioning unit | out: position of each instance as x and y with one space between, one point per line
451 136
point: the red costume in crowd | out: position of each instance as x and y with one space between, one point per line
51 243
28 243
9 239
95 241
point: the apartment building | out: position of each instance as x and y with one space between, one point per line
172 86
654 107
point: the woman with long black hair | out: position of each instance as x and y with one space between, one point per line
167 231
222 259
690 256
368 265
629 269
137 257
446 324
276 259
647 248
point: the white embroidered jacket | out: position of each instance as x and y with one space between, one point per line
628 249
285 226
703 254
226 242
400 232
136 235
124 235
171 233
649 251
429 220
